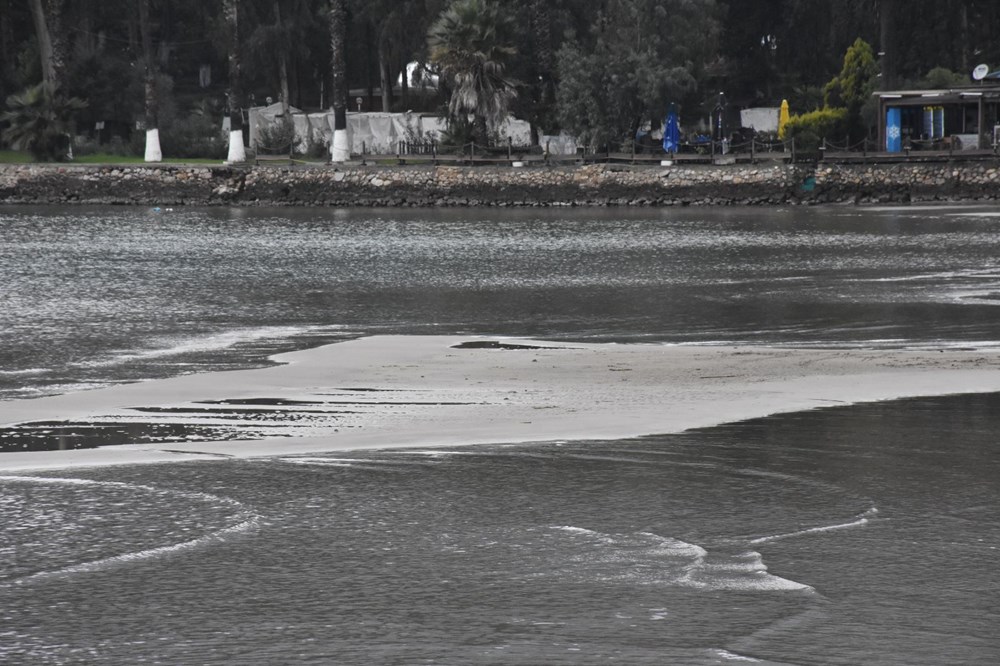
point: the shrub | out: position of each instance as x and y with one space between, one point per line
942 77
197 135
456 138
809 129
277 136
84 145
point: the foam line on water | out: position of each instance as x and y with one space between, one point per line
211 342
584 532
791 478
652 559
576 530
675 547
860 521
248 522
732 656
743 572
320 462
945 275
247 525
385 466
24 372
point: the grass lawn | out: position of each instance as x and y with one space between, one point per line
14 157
104 158
20 157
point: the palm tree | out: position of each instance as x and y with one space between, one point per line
39 120
237 152
41 117
469 43
153 152
340 149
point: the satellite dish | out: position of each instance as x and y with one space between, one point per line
980 72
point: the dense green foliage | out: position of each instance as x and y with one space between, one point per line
638 56
810 129
471 45
853 88
599 69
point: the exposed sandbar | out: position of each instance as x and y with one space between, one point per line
422 391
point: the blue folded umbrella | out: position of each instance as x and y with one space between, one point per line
671 131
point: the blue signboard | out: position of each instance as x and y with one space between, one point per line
894 130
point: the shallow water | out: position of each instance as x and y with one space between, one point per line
844 536
96 296
857 535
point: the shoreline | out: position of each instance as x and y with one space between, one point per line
424 186
386 392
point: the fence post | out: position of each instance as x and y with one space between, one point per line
713 150
434 152
753 143
547 150
510 147
793 150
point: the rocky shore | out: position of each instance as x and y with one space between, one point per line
535 185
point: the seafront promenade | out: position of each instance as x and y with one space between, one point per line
435 185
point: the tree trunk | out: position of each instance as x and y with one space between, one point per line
541 22
47 17
237 152
57 41
405 86
370 64
386 78
963 37
480 131
340 149
45 48
283 81
153 152
282 63
6 36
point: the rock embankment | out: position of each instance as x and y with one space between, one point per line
904 183
426 185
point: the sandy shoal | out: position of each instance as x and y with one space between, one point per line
557 391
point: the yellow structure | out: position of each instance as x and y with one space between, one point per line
782 118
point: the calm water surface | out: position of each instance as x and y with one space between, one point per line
94 296
860 535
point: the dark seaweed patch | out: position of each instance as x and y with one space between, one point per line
266 402
68 435
494 344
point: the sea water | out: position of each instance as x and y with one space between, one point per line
852 535
97 296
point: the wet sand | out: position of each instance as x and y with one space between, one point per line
428 391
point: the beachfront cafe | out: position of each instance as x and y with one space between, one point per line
961 118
